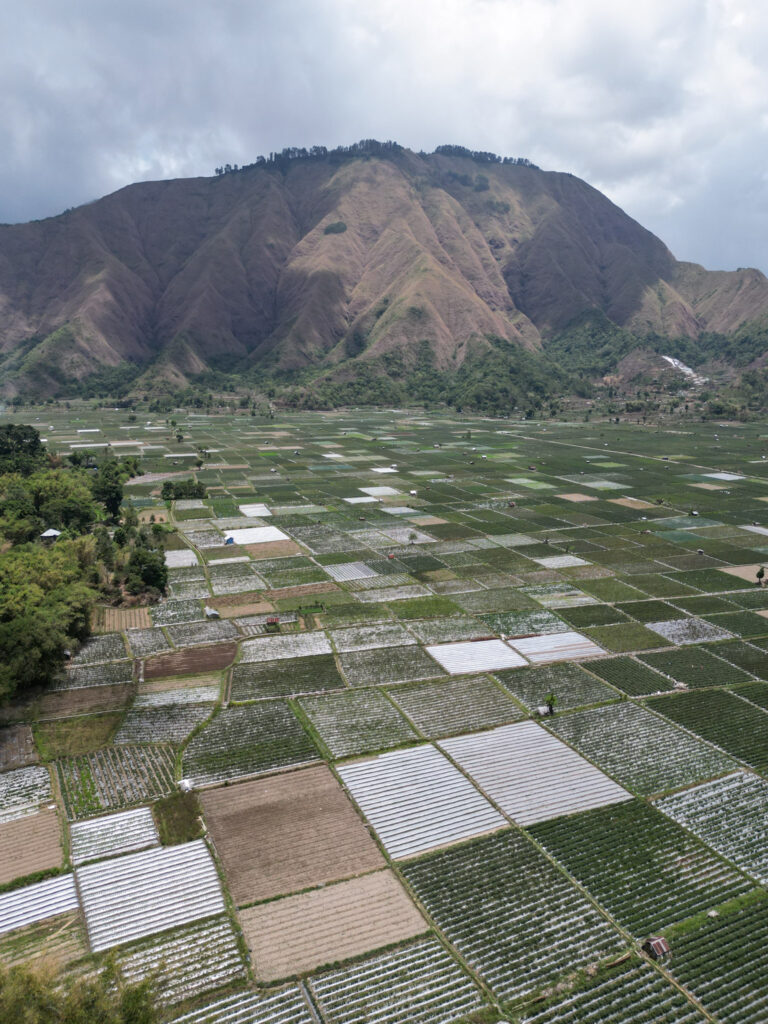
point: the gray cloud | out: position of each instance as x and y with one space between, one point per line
662 105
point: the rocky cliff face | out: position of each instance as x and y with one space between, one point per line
314 262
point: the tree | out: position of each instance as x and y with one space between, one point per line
21 450
107 486
146 570
551 701
760 574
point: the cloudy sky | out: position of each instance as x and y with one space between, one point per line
662 104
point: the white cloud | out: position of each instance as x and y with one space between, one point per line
661 104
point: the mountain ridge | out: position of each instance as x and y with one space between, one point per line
319 262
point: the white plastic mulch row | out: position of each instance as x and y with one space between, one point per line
349 571
112 834
254 510
181 558
143 893
23 790
531 775
568 646
256 535
286 1007
37 902
417 800
272 648
475 656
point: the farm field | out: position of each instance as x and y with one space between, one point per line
385 824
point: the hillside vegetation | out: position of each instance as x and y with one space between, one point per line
366 272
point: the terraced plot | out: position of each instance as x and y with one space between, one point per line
572 686
723 962
23 791
305 829
632 994
285 1007
643 868
247 740
640 750
511 915
418 984
114 777
731 816
416 800
387 665
357 722
453 706
529 774
186 962
259 680
299 933
733 724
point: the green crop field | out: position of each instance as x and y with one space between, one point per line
390 637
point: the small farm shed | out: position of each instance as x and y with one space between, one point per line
657 948
50 534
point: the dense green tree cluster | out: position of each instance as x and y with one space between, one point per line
174 490
48 587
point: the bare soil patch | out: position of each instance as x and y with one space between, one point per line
287 833
115 620
29 844
743 572
179 682
17 748
85 700
428 521
631 502
82 734
234 609
300 933
190 661
152 515
303 590
273 549
59 940
713 487
577 496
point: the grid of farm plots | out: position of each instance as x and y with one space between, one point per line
370 617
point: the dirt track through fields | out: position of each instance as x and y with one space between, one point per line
29 844
287 833
299 933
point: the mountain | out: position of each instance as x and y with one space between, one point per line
318 261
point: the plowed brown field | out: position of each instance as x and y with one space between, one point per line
29 844
17 747
287 833
191 661
85 700
300 933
